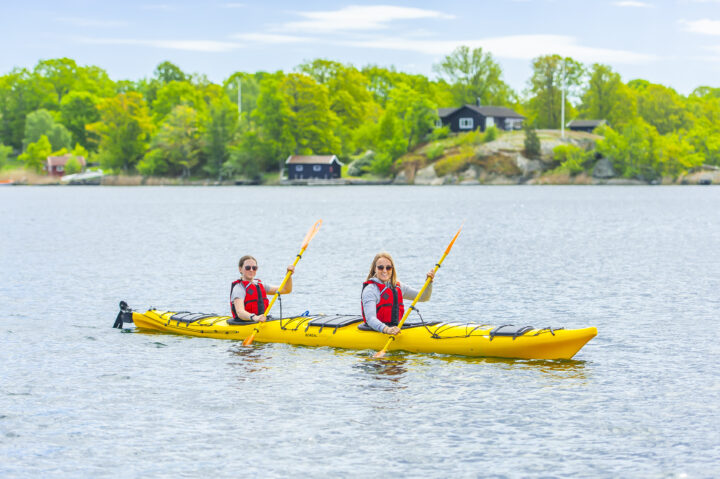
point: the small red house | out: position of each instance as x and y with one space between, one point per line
55 165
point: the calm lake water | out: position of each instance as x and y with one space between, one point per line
80 399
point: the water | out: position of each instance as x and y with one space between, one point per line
80 399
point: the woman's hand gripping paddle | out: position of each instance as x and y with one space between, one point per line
309 236
382 352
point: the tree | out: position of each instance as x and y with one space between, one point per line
607 98
532 142
123 130
475 76
173 94
36 154
4 153
167 72
62 74
72 166
633 152
311 121
41 122
662 107
417 114
550 74
77 110
218 133
178 141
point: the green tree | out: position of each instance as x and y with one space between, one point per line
550 73
475 76
532 142
218 133
607 98
173 94
273 139
41 122
167 72
633 150
178 140
417 115
72 166
62 74
311 121
4 153
36 154
77 110
123 130
20 94
662 107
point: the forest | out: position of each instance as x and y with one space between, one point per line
176 124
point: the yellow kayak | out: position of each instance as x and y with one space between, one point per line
349 332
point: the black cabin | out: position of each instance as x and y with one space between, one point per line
472 117
585 125
324 167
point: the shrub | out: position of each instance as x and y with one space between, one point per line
382 164
470 138
434 151
72 166
532 142
572 159
439 133
490 134
454 163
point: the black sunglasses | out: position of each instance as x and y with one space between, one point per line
248 268
381 267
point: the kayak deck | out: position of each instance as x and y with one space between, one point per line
349 332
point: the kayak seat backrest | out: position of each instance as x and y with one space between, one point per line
509 330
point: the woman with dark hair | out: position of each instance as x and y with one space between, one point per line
382 295
248 296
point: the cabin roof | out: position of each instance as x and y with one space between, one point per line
586 123
494 111
311 159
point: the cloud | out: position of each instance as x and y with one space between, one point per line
631 3
186 45
520 47
704 26
272 39
358 18
90 22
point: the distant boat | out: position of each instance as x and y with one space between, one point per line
7 182
86 178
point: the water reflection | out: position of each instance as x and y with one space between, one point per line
249 358
558 368
386 373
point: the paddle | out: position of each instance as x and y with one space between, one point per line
309 236
382 352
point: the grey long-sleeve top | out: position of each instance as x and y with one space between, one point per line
371 297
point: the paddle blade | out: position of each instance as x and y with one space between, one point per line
379 354
311 233
453 240
249 340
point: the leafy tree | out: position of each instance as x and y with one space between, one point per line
550 73
41 122
474 76
571 158
36 154
78 109
218 133
167 72
173 94
662 107
633 151
311 121
20 94
607 98
273 139
4 153
123 130
417 115
60 72
178 140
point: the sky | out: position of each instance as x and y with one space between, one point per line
672 42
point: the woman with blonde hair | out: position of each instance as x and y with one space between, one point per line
382 295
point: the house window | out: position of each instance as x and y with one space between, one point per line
438 123
298 167
317 168
490 121
59 168
466 123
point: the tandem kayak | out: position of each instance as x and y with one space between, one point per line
350 332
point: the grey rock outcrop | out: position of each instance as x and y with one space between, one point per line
603 169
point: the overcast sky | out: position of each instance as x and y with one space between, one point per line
673 42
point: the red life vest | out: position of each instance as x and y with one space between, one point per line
390 308
256 301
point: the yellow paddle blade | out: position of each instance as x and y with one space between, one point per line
311 232
248 341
